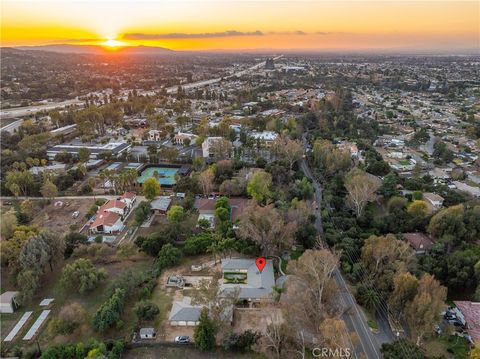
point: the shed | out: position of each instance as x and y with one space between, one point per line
148 333
8 304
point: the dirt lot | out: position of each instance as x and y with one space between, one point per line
183 352
255 319
59 217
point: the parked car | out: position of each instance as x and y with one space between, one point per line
182 339
75 214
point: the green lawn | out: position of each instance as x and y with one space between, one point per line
452 347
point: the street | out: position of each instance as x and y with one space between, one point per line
353 316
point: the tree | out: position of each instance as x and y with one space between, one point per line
168 257
266 227
176 214
28 281
49 190
205 181
198 244
258 186
311 275
291 150
72 241
19 182
151 188
84 154
418 209
335 336
383 257
142 212
221 149
241 342
146 310
448 221
389 185
330 159
405 287
205 332
8 222
399 348
396 204
425 307
109 312
67 320
82 276
361 189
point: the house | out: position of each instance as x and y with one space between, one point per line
129 199
243 275
114 206
469 314
183 313
265 137
8 303
160 205
433 200
206 208
208 146
107 222
182 136
148 333
154 135
420 242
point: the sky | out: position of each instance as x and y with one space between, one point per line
244 24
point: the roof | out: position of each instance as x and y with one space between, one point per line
471 313
161 203
419 241
7 297
184 311
237 206
114 147
259 284
105 219
128 195
433 197
112 204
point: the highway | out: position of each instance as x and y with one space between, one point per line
174 89
368 346
30 110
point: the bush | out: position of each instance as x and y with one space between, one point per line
198 244
109 313
68 319
146 310
168 257
82 276
241 342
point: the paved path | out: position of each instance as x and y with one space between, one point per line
30 110
354 317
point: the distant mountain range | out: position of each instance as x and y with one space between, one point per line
97 50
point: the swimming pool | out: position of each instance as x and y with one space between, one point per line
166 175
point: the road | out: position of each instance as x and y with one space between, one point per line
174 89
354 317
30 110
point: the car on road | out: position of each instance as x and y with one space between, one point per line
182 339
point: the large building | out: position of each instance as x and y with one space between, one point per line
96 149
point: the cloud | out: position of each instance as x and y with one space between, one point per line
179 35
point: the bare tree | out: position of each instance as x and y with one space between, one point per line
266 227
361 189
205 181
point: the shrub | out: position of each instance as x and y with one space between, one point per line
146 310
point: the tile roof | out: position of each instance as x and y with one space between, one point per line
471 313
105 219
419 241
112 204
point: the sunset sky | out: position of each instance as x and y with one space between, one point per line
244 24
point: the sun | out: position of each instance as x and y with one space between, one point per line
112 43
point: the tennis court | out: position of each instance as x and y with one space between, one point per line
166 176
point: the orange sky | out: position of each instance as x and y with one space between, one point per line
244 24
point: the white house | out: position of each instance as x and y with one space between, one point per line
433 200
182 136
147 333
129 199
265 137
154 135
207 146
8 304
115 206
107 222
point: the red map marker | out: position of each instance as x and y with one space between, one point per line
260 262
